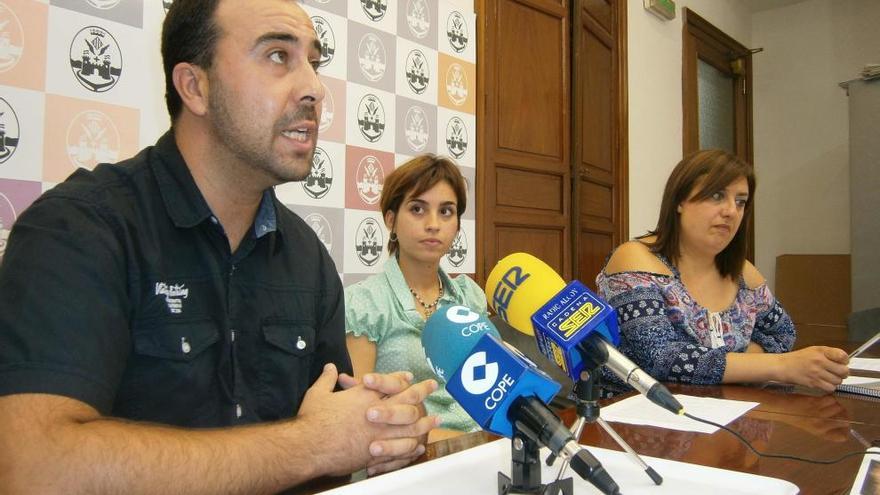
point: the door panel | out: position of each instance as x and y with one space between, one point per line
597 207
716 107
525 172
526 189
559 199
602 11
708 56
531 55
590 258
545 243
597 102
600 184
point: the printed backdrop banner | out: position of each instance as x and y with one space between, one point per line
81 83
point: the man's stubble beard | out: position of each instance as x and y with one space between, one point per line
223 124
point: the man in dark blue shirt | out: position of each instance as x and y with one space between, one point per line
166 322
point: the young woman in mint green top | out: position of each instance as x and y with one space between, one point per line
422 202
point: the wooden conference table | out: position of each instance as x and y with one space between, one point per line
789 420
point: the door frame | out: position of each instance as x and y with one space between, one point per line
700 39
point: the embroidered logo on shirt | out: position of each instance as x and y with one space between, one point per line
174 295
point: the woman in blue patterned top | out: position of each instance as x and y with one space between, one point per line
422 203
691 308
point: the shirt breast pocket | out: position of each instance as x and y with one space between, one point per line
171 375
181 342
285 367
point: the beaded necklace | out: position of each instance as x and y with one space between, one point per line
429 308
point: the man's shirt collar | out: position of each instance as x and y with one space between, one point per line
184 201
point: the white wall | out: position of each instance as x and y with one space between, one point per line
655 118
800 114
801 123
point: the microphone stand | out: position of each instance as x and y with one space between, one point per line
525 470
586 396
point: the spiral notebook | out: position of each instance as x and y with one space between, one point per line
862 385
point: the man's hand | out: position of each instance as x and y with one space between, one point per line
383 431
404 405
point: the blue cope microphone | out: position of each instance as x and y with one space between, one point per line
501 389
572 326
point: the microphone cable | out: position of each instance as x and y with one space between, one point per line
781 456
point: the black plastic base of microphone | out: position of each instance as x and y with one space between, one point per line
564 486
525 471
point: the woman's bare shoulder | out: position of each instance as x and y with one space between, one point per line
635 256
752 276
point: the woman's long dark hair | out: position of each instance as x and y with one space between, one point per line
714 170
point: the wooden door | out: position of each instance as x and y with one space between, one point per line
599 148
712 58
551 171
524 168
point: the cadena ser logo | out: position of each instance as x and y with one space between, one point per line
375 9
478 376
326 38
95 59
317 183
92 138
416 128
458 251
372 57
11 38
506 288
418 73
418 18
103 4
457 31
371 118
368 241
456 137
558 356
322 229
369 179
9 131
580 317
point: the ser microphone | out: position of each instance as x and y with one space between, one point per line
501 389
572 326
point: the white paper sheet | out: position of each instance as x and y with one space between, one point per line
867 364
473 471
859 380
867 480
638 410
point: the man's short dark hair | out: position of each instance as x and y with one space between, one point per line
189 34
